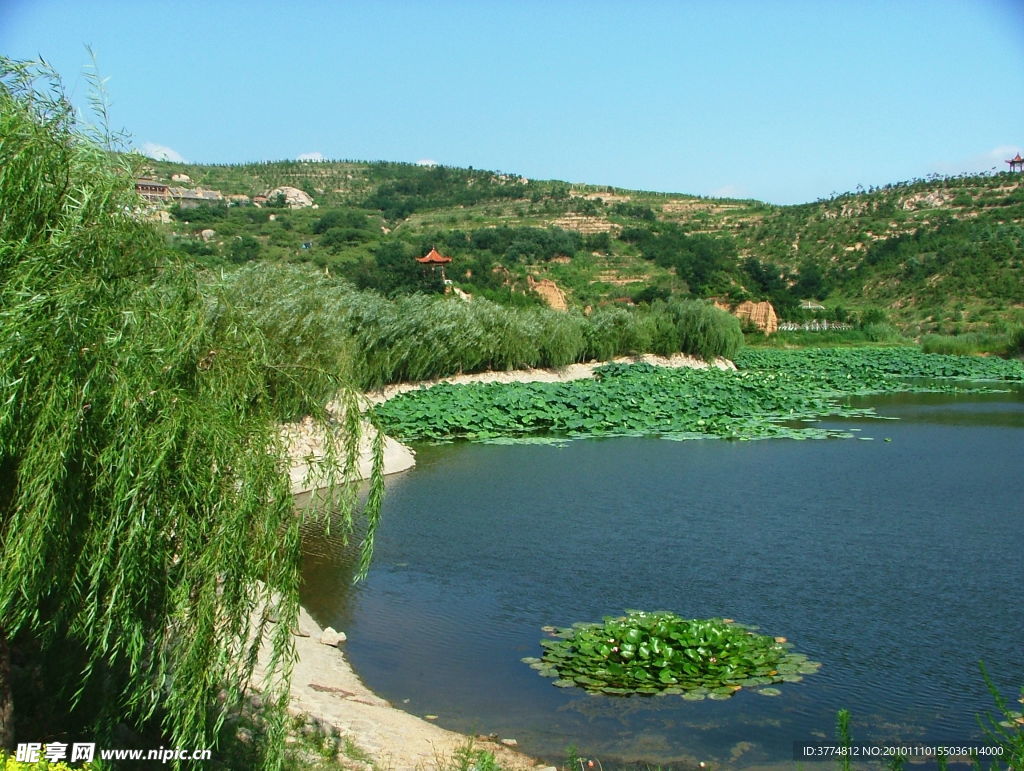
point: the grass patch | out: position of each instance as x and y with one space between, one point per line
1010 343
469 757
803 339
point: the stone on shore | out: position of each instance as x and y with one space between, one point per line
332 637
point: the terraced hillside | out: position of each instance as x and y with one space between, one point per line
942 254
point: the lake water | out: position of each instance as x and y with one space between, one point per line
898 563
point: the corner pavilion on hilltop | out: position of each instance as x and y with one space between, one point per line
433 258
1016 163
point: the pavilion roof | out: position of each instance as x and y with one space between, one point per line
434 256
1018 159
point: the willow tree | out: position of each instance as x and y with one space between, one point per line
148 538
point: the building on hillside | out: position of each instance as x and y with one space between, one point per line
1016 163
435 259
187 198
152 190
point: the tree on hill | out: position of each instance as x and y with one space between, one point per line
394 271
340 218
145 508
244 249
811 282
202 214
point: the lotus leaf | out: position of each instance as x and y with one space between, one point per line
774 394
659 653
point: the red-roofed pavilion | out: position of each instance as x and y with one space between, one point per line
433 258
1016 164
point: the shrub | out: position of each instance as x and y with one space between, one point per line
961 345
705 330
881 332
1016 344
423 337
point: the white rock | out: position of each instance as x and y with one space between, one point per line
332 637
293 197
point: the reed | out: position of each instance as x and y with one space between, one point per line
704 330
972 343
320 321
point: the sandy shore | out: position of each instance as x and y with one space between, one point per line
325 689
306 445
564 374
324 686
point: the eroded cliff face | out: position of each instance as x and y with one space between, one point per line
550 292
761 315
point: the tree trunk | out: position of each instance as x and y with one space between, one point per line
6 696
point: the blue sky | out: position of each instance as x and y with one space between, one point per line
780 100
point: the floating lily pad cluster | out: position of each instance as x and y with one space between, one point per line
774 395
880 369
661 653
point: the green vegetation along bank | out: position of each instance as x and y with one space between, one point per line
144 510
772 394
321 320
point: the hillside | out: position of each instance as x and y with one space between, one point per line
943 254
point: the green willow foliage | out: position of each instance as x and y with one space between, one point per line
145 510
420 337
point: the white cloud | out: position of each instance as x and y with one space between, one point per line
161 152
990 160
729 191
426 162
316 155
